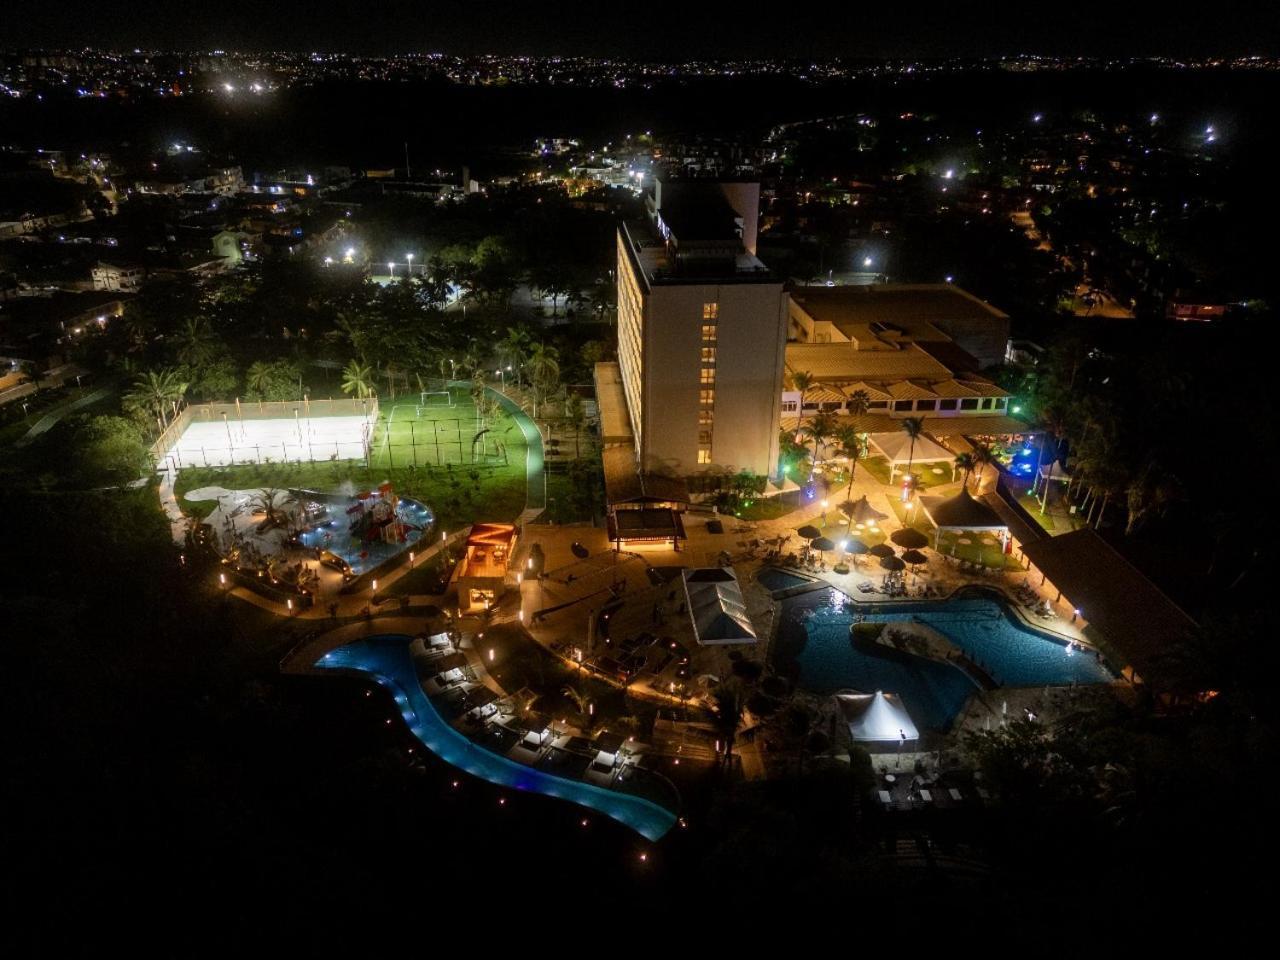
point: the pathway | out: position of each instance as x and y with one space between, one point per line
46 423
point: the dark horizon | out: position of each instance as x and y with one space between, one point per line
658 31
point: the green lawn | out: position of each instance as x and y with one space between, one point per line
458 491
878 467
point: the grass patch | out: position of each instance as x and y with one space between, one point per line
878 467
457 495
404 452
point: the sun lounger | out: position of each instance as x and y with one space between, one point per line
955 794
886 798
926 796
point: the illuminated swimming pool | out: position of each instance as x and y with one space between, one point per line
387 660
814 647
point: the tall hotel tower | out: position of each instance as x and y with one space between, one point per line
702 328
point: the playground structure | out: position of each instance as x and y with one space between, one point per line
357 533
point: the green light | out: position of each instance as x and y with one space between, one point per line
1017 409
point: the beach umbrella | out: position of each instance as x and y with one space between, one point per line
856 547
881 550
892 564
914 557
910 538
809 532
823 544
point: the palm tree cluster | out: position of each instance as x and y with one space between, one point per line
1119 428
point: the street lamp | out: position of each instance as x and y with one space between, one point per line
391 267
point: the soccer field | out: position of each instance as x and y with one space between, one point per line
410 432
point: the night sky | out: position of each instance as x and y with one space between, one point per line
664 30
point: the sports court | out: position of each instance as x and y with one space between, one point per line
222 442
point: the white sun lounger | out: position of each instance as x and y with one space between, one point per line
955 794
926 796
885 798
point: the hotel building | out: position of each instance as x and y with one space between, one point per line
702 329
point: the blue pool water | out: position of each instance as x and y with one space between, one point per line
771 578
387 660
814 645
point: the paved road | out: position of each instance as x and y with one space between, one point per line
47 422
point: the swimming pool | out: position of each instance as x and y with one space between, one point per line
814 648
387 660
773 579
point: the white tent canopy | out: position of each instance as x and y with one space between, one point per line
717 607
896 448
877 717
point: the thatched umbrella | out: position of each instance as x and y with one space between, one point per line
913 559
909 538
892 564
856 547
881 550
823 544
809 532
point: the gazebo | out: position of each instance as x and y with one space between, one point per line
877 718
896 448
961 512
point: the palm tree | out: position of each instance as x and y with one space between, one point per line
802 380
966 462
981 457
853 446
511 352
544 373
820 429
357 379
576 414
579 697
196 342
272 501
727 698
258 377
157 392
912 427
544 364
859 403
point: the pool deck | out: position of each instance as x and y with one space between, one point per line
592 790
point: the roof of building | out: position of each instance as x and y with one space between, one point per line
910 306
955 426
624 483
961 512
1021 529
951 355
716 606
611 401
1113 596
842 362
